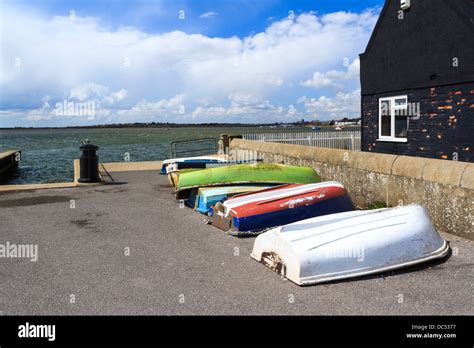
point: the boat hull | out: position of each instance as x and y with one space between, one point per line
351 244
173 174
173 178
280 206
257 173
260 222
197 161
208 197
199 164
173 170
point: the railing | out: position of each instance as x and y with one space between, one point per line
197 147
346 140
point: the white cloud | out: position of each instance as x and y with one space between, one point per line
338 107
46 112
208 14
116 96
88 91
245 108
97 99
334 78
133 74
168 108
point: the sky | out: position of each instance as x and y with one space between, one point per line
68 63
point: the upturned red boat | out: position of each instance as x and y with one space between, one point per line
281 205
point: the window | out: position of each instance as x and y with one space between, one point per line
393 118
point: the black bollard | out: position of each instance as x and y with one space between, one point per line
89 164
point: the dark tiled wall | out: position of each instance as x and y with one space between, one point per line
446 125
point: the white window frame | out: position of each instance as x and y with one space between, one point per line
393 108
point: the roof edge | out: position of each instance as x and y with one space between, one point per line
376 28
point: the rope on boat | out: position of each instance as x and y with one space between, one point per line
243 234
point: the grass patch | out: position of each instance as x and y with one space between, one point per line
378 205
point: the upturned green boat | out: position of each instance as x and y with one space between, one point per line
262 173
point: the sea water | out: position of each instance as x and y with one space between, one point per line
48 154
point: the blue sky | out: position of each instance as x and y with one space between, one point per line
234 17
181 61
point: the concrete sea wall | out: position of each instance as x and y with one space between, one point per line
9 162
445 188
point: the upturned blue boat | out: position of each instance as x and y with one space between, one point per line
207 197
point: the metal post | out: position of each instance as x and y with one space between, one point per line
89 163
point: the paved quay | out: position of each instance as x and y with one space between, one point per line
180 265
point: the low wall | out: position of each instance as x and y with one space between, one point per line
445 188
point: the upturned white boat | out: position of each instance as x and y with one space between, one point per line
350 244
193 160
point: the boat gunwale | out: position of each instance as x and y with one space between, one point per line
232 184
302 189
290 175
271 200
440 253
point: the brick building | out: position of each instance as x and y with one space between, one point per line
417 80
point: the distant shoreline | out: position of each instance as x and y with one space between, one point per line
188 125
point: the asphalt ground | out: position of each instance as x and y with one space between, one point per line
129 248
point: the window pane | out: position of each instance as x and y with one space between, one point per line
386 126
400 102
385 108
401 126
401 111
